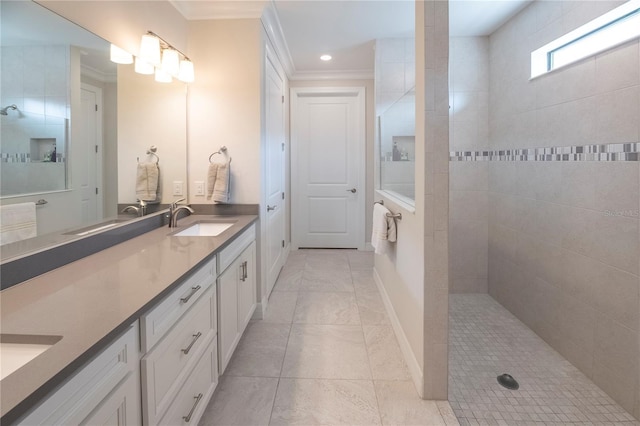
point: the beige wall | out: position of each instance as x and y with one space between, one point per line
370 129
224 103
563 254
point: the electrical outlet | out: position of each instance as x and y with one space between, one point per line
177 188
199 187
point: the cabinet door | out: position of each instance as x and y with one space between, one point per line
246 286
121 408
228 332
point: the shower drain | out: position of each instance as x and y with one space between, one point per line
508 381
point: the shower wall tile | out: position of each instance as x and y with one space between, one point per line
564 237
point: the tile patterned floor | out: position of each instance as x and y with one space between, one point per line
486 340
325 354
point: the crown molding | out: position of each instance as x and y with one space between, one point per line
272 27
239 10
97 74
333 75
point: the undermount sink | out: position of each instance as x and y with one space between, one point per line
16 350
205 229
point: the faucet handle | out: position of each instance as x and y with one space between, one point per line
175 203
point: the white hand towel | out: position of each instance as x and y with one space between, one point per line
384 229
223 179
17 222
211 178
147 181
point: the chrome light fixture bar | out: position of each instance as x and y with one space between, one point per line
166 58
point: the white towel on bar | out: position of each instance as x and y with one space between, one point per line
212 173
384 229
147 181
17 222
221 192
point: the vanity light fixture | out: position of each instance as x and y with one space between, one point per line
325 58
142 67
168 61
120 56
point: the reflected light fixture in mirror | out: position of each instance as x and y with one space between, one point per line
120 56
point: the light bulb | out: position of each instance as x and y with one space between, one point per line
150 49
171 61
186 73
162 76
120 56
143 68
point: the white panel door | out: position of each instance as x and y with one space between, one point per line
327 168
87 179
274 210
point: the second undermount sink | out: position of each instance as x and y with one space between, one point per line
205 229
16 350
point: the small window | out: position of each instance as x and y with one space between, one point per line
609 30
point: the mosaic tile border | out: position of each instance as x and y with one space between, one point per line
604 152
26 158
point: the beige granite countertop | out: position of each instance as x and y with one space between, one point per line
90 301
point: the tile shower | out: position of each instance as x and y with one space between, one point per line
544 197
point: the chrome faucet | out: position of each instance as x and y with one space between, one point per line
174 209
132 208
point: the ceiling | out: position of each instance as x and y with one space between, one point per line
347 29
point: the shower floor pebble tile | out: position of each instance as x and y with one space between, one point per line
486 340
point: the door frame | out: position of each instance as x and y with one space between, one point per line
359 92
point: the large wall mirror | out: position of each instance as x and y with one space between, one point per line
55 147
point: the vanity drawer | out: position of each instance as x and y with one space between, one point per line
155 323
165 368
237 246
74 401
191 401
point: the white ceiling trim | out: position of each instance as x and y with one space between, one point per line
273 28
333 75
241 10
98 75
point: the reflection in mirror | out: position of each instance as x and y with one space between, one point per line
397 141
55 73
145 108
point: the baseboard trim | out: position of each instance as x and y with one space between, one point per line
405 347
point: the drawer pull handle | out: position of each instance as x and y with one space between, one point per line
193 291
188 348
187 418
246 269
243 271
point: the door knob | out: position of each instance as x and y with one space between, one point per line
269 208
352 190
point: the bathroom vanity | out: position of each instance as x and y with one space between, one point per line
136 333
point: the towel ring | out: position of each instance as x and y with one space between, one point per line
152 151
222 150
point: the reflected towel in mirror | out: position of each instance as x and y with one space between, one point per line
384 229
17 222
147 181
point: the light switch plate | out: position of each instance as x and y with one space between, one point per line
199 187
177 188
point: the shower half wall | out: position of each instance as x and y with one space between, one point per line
563 232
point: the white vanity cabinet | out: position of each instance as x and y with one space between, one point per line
105 391
236 293
179 370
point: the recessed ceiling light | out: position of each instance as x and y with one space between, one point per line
325 57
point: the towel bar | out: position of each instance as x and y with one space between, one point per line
395 215
220 151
